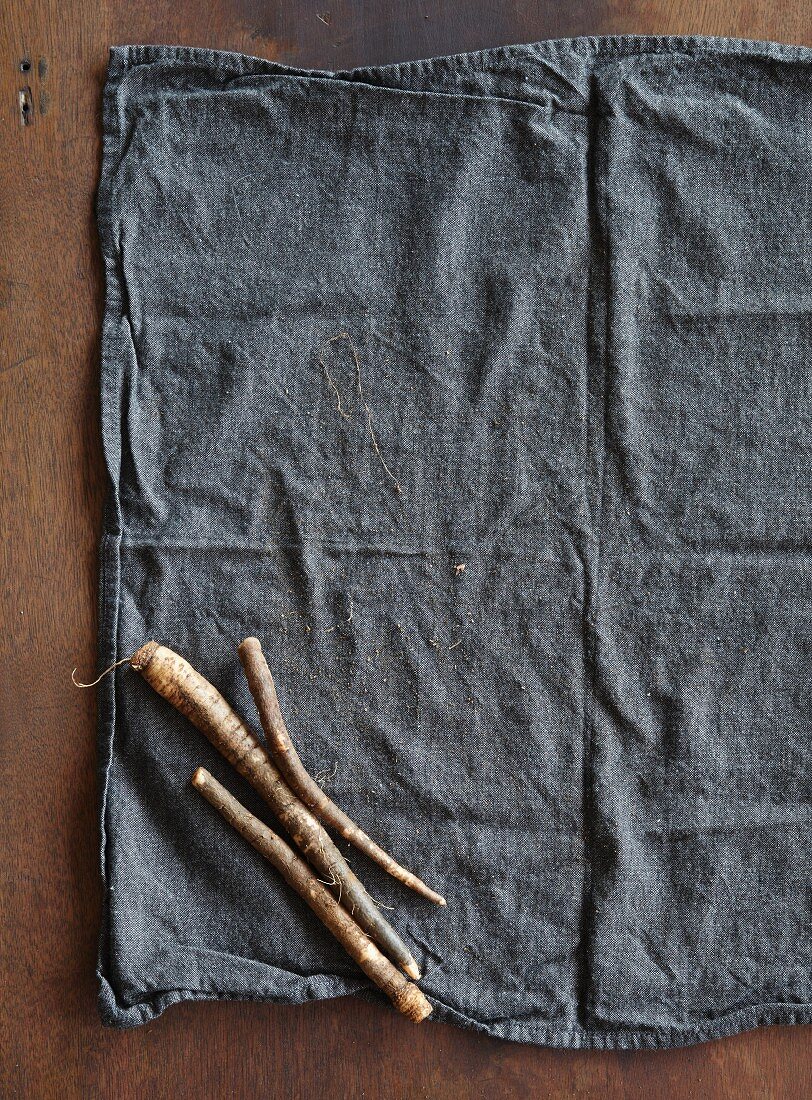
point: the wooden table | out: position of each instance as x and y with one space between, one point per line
53 62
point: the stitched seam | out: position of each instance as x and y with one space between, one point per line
595 465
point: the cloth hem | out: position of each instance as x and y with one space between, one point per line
573 1038
585 46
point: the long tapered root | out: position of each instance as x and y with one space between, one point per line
287 759
190 693
407 998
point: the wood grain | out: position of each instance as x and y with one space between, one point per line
51 1043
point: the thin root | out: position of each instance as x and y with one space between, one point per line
331 383
373 439
100 677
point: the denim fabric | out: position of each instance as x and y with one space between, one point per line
541 312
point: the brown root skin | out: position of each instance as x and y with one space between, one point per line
407 998
190 693
263 689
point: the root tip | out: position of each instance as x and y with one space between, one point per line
412 970
200 778
141 658
413 1003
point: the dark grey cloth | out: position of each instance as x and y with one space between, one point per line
479 389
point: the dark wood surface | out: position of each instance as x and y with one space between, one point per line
51 1042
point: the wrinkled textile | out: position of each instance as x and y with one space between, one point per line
479 389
